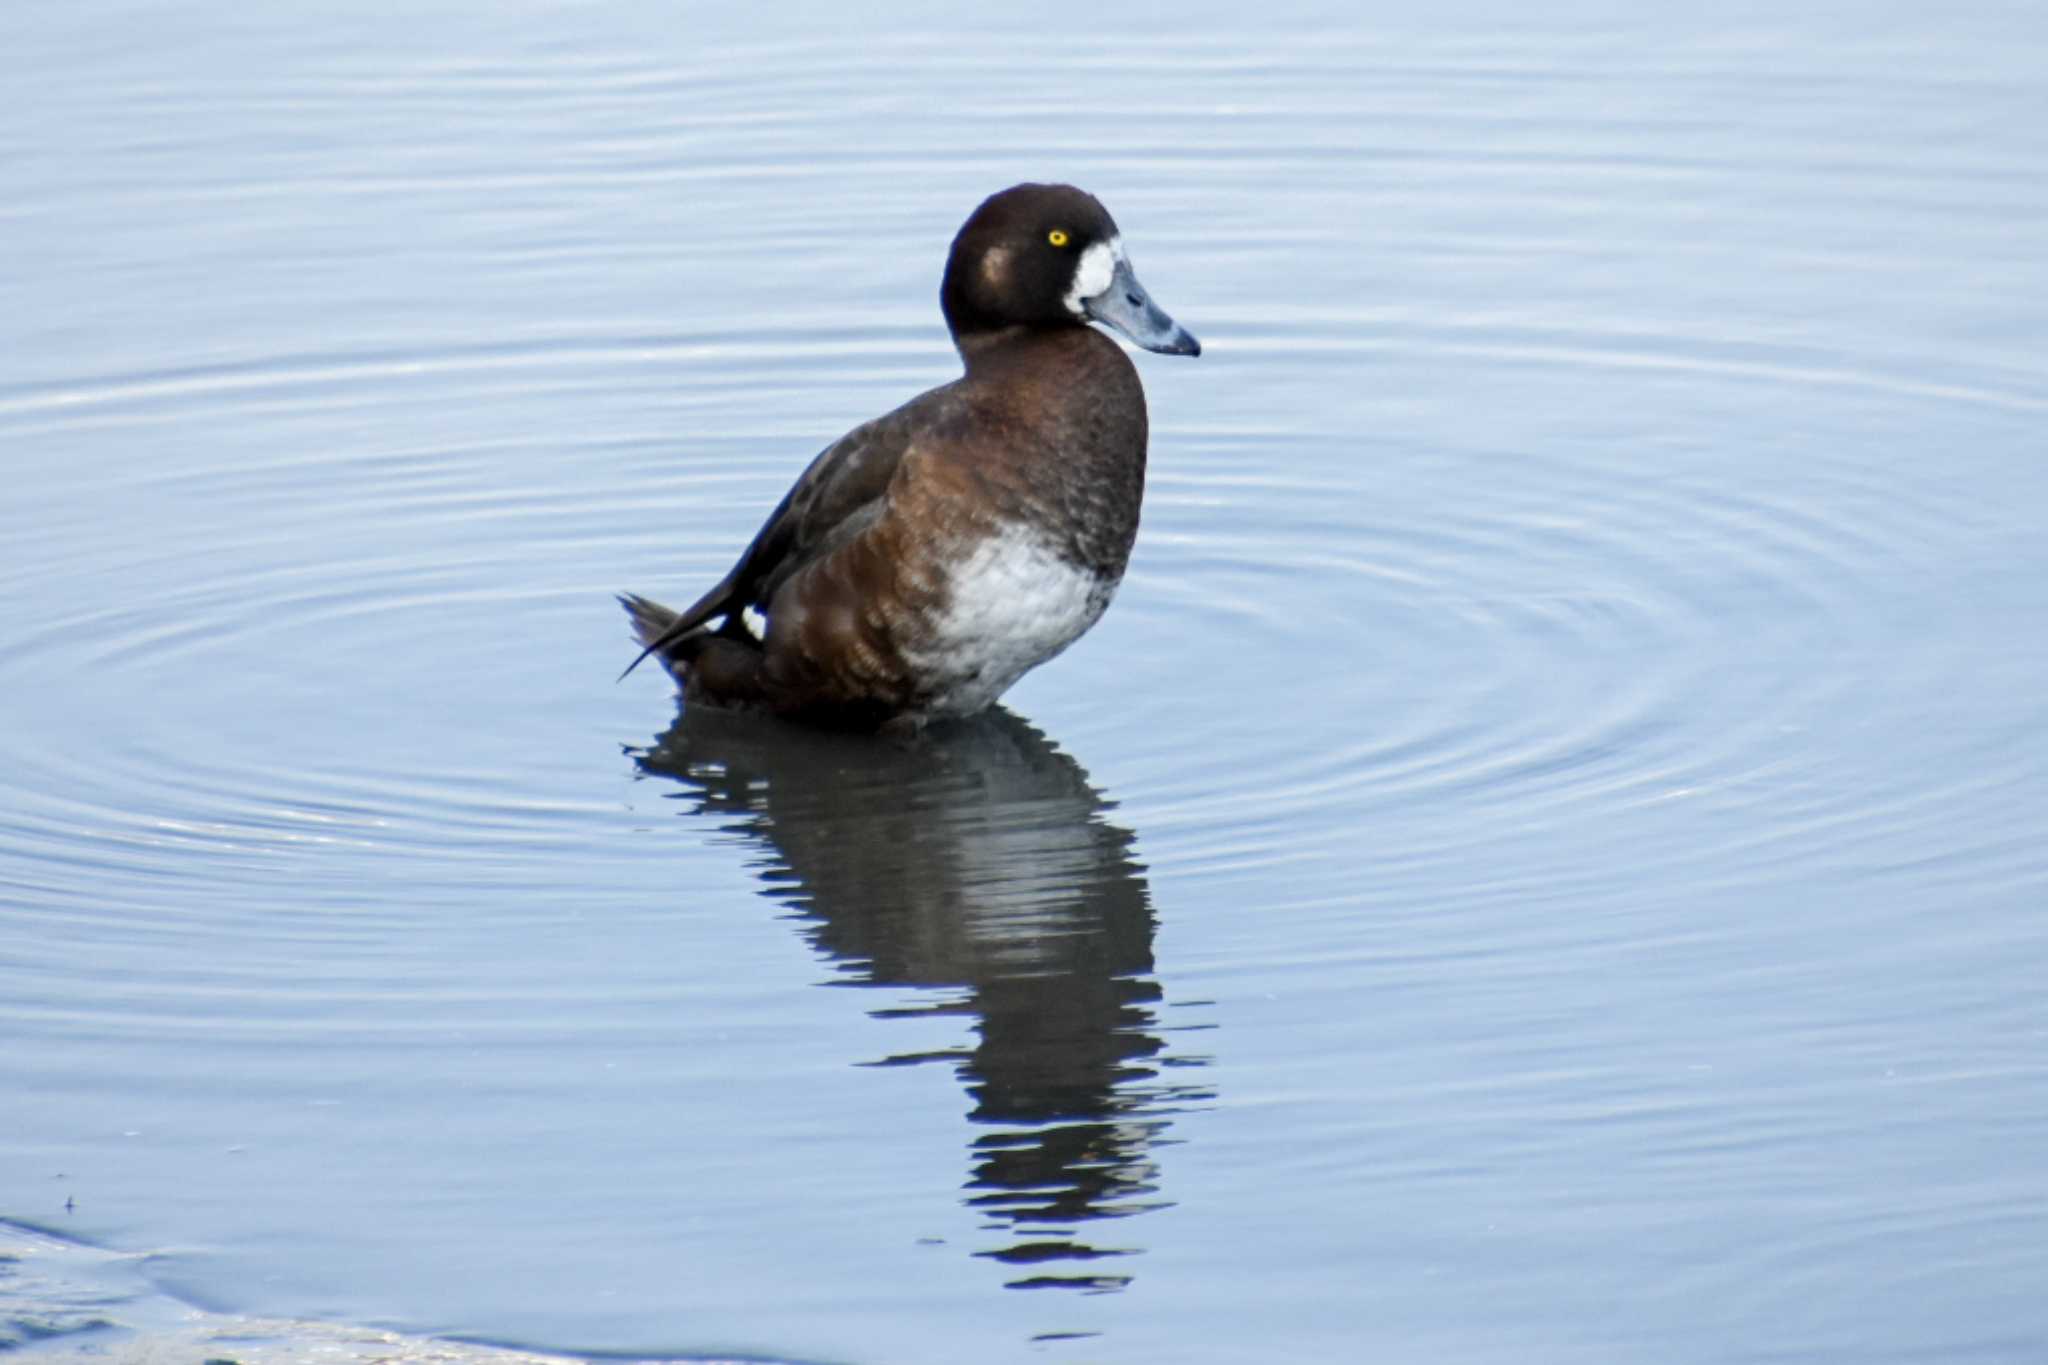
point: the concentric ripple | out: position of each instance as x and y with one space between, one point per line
1548 643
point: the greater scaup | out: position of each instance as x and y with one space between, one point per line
931 557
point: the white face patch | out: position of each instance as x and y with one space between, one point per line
1094 271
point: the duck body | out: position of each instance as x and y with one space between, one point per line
931 557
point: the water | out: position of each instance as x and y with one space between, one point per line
1543 860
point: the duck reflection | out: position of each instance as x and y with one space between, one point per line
976 859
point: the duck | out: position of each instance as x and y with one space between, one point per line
931 557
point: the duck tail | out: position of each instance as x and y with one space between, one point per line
651 624
650 619
716 667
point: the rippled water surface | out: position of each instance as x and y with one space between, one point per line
1544 860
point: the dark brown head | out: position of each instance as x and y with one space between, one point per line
1049 256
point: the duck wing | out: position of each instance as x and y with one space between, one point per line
842 491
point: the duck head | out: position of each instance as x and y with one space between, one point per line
1050 256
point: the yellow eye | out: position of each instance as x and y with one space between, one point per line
1058 236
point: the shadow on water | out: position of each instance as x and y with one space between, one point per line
979 862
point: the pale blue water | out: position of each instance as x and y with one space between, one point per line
1544 860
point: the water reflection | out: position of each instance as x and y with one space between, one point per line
977 860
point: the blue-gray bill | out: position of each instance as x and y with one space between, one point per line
1127 307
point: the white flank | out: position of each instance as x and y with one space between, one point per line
1014 605
1093 272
